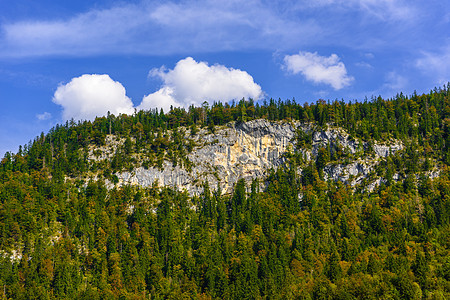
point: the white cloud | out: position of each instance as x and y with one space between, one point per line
157 28
91 95
192 82
364 64
83 34
389 9
194 26
163 98
436 64
386 10
319 69
394 82
44 116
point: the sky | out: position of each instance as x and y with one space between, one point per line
80 59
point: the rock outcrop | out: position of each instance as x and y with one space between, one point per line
248 150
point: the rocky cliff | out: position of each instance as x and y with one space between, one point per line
249 150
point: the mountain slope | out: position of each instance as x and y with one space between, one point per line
280 200
250 150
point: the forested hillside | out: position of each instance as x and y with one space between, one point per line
68 230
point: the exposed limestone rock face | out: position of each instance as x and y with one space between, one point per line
353 173
248 150
107 151
245 150
334 136
386 150
356 170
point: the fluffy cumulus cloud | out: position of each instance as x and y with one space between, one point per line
192 82
319 69
91 95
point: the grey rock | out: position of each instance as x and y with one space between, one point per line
249 150
386 150
339 172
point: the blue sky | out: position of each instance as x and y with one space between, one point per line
77 59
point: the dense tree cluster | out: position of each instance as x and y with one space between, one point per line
300 237
424 119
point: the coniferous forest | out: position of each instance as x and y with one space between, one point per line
64 234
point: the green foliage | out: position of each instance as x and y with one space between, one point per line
299 237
